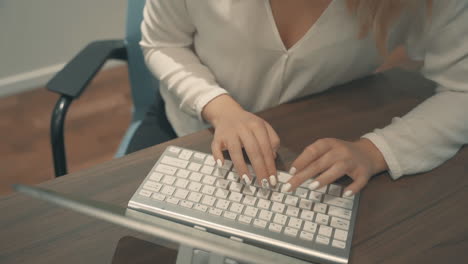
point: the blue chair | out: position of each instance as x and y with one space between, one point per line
73 79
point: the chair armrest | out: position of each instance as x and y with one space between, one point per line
72 80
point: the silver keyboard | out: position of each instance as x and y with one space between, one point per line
187 186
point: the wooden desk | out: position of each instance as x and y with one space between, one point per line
417 219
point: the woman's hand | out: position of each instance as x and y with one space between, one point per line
326 160
235 129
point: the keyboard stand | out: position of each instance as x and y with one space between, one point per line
190 255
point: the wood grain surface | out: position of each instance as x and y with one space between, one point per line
417 219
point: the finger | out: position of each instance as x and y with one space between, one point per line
217 152
274 138
263 140
358 184
235 152
312 170
335 172
255 154
310 153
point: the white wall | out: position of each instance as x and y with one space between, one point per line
38 36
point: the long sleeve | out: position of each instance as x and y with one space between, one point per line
436 129
167 38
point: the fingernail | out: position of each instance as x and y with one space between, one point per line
219 163
246 179
292 171
314 185
273 180
286 187
348 193
265 184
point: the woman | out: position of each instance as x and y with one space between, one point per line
221 60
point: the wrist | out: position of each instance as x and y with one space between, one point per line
219 107
375 156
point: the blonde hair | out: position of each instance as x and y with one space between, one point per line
377 16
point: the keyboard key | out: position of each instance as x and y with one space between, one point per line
259 223
322 240
291 200
194 166
230 215
221 193
263 194
181 193
195 186
295 222
244 219
277 197
236 187
235 196
207 189
337 201
325 231
307 215
174 150
156 176
315 196
265 215
339 223
236 208
195 197
309 227
219 173
174 162
305 204
280 219
289 231
284 177
232 176
320 208
249 200
249 190
275 227
292 211
322 219
207 169
277 207
209 180
172 200
208 200
338 244
341 234
166 169
334 189
200 207
301 192
169 180
306 236
199 156
215 211
183 173
185 154
251 211
323 189
210 160
195 176
222 183
145 193
340 212
222 204
168 190
186 204
158 196
264 204
181 183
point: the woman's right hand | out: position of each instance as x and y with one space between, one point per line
235 129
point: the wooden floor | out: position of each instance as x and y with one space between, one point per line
94 127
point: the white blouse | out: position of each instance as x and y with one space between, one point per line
202 49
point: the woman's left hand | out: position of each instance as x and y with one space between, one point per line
328 159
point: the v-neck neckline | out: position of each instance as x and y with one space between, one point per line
304 37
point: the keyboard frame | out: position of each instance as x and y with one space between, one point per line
278 242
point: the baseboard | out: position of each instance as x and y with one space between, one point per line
35 79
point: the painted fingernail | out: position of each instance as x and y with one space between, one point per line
265 184
292 171
348 193
273 180
286 187
246 179
314 185
219 163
